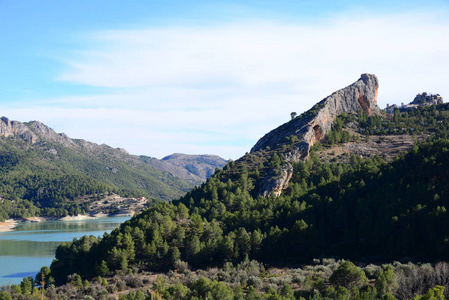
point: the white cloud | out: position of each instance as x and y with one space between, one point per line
218 89
251 55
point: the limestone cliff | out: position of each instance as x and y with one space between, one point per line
312 126
33 132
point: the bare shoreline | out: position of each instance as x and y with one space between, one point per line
10 224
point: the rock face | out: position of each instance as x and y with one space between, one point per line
11 128
427 99
32 132
312 126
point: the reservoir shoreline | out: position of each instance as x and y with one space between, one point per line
10 224
31 244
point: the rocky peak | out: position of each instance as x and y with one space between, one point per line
13 128
32 132
427 99
40 128
6 121
312 126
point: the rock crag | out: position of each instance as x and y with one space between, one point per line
32 132
312 126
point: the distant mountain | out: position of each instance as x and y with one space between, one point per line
32 154
194 169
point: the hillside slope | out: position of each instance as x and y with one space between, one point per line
361 208
43 169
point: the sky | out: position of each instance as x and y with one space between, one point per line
207 77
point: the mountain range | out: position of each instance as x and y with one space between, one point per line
32 154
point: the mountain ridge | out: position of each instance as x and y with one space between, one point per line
194 168
35 131
35 159
303 131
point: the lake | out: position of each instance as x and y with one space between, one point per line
32 245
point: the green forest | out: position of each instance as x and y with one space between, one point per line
37 182
330 210
360 228
431 121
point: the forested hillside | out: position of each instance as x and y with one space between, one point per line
43 173
339 210
364 209
35 181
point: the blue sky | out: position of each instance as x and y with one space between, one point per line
157 77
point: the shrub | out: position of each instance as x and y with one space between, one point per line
349 276
256 282
181 266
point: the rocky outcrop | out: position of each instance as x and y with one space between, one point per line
312 126
32 132
13 128
427 99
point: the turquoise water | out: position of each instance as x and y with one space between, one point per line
32 245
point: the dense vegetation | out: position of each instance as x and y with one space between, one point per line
330 209
46 179
28 189
425 120
367 210
324 279
48 195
